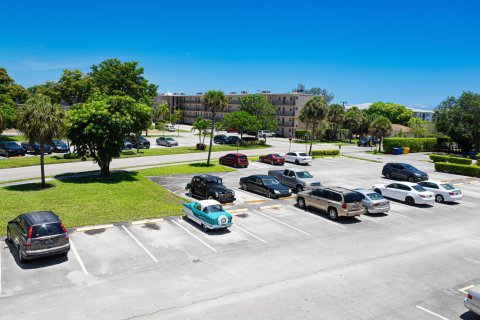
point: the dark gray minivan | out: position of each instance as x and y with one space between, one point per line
38 234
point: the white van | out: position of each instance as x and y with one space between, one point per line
265 133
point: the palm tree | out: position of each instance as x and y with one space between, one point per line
214 101
380 127
314 112
41 121
178 118
201 125
163 110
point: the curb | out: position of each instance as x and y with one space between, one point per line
238 210
275 206
89 228
254 201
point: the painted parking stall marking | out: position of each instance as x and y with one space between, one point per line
80 261
249 233
432 313
281 222
139 243
191 234
318 218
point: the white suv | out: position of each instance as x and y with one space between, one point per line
298 158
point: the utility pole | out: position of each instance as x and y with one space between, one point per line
344 103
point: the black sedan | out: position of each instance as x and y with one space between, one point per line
403 171
143 143
10 148
266 185
59 146
220 139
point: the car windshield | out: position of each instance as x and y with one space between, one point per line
447 186
302 154
45 230
375 196
353 197
214 208
419 188
270 181
170 139
410 167
304 175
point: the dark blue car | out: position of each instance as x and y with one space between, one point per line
10 148
34 147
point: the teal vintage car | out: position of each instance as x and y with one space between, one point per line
208 213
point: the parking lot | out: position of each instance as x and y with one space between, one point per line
280 261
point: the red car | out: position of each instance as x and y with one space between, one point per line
234 159
230 130
272 158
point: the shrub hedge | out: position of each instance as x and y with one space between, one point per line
316 153
462 169
444 158
415 144
300 134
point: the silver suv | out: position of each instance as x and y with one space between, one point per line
335 201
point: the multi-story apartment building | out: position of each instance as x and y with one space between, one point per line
287 105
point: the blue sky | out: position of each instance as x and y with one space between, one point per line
411 52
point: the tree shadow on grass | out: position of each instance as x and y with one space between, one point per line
27 187
114 178
200 165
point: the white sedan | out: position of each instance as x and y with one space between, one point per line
443 191
409 192
298 158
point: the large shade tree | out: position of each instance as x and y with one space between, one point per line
336 117
314 112
240 120
214 101
7 112
75 87
354 118
8 87
41 121
98 127
264 112
380 128
396 113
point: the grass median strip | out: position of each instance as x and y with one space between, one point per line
86 201
363 159
18 162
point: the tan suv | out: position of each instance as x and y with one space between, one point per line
335 201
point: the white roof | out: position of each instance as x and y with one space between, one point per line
208 203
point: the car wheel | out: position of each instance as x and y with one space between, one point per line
378 191
243 186
270 194
332 214
297 162
411 179
20 255
388 175
272 163
301 203
204 228
235 165
365 210
410 201
298 189
189 192
439 198
7 154
211 198
9 239
220 162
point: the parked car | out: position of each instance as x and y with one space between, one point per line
233 140
296 179
59 146
38 234
403 171
220 139
367 142
34 147
266 185
170 127
272 158
209 214
168 142
234 159
209 187
143 143
444 192
127 145
472 301
230 130
373 202
471 154
335 201
298 158
410 193
265 133
11 149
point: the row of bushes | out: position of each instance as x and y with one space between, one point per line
317 153
455 168
415 144
300 134
444 158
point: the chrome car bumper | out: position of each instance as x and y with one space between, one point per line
420 200
470 306
30 254
378 210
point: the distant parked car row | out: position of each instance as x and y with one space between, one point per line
11 149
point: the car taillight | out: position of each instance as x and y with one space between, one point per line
29 237
344 205
469 296
376 204
67 237
451 193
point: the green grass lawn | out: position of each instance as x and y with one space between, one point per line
13 138
346 143
363 159
18 162
124 196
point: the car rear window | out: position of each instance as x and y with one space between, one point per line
419 188
375 196
352 197
448 186
243 158
45 230
301 154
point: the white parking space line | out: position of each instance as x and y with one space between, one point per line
284 223
398 214
318 218
80 261
249 233
432 313
369 219
140 244
194 236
